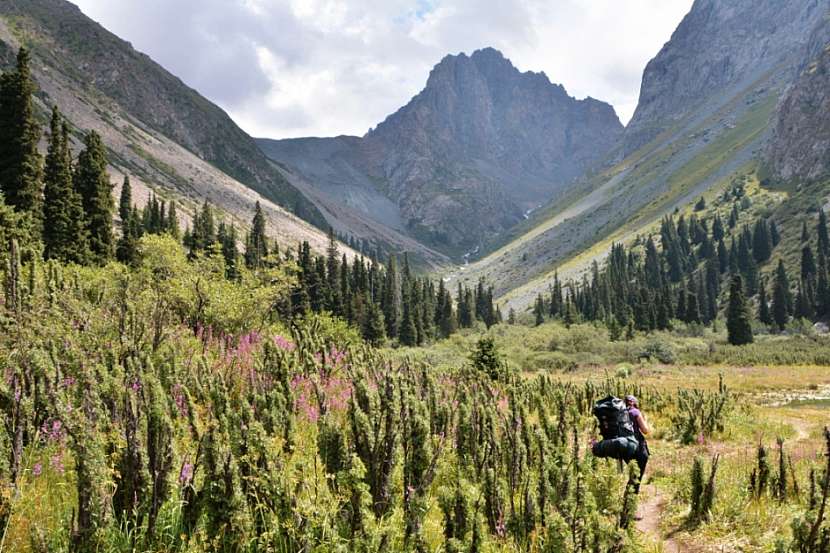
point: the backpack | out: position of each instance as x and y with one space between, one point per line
612 415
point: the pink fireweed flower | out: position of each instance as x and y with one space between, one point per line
136 385
284 343
180 400
701 439
67 382
186 473
56 461
37 469
52 430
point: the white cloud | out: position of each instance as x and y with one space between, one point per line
285 68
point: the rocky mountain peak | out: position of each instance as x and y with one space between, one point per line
720 45
480 145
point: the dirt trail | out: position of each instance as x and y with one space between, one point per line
653 501
651 512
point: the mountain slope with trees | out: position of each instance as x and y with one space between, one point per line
170 140
684 142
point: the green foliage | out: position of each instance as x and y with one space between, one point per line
91 181
487 359
738 322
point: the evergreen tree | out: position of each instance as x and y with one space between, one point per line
126 249
20 162
539 310
775 236
805 235
374 329
821 233
764 314
256 246
761 242
822 287
717 229
64 231
407 335
172 220
723 257
391 298
781 298
804 301
335 300
737 315
125 202
808 263
227 241
203 235
92 182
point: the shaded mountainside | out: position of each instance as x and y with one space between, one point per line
80 51
167 137
465 159
719 47
705 115
800 146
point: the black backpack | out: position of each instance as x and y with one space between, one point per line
612 415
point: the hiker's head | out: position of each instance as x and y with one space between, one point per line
631 401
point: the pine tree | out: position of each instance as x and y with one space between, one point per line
803 301
764 314
172 220
407 335
761 242
821 233
203 235
20 162
391 297
808 263
781 298
335 301
256 247
774 235
539 310
125 202
717 229
805 235
374 329
227 241
92 182
737 315
64 230
822 287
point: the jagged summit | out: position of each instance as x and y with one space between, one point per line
480 145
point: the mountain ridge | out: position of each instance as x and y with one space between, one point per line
465 158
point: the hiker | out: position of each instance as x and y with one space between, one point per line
617 430
641 430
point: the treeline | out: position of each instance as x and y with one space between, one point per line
645 287
385 301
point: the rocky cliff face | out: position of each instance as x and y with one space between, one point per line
69 43
800 145
466 157
720 45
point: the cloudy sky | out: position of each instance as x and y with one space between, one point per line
288 68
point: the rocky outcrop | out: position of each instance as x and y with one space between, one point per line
720 45
800 145
76 47
465 158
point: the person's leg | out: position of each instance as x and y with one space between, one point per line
642 461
